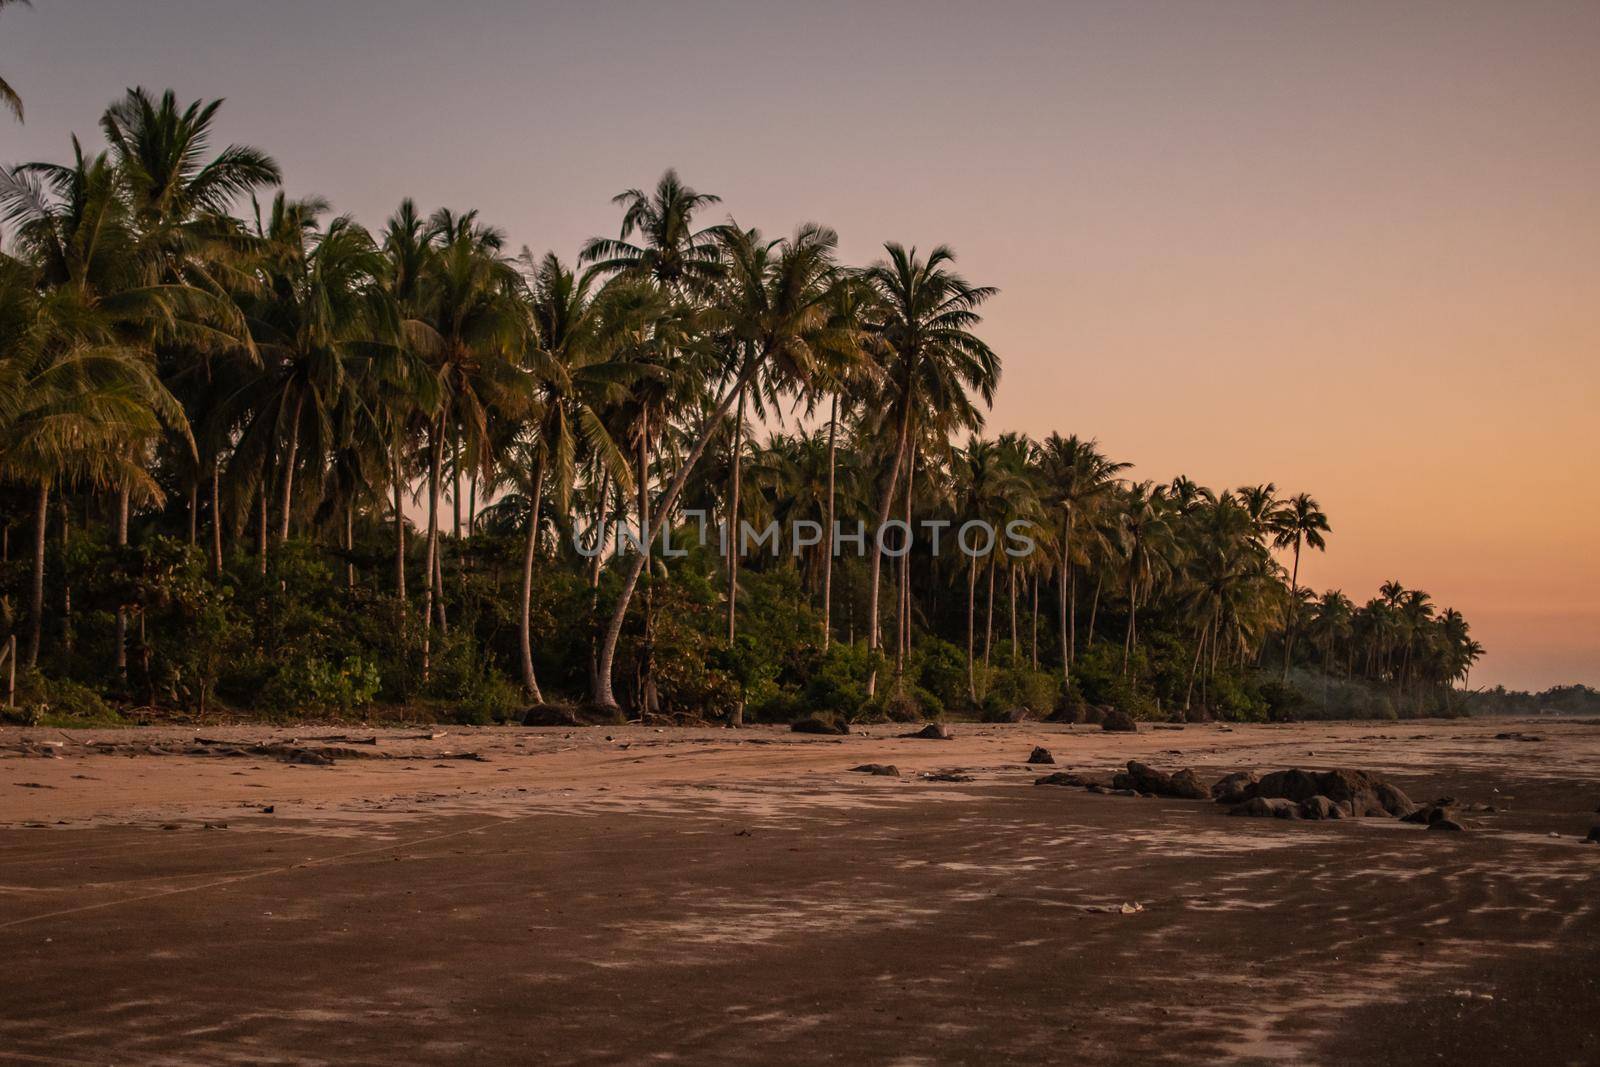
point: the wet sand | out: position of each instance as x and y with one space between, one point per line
704 896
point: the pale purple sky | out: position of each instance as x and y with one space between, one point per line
1352 247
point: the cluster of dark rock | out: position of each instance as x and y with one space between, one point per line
1289 794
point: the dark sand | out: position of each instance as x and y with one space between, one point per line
708 896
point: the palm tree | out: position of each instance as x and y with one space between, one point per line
1076 476
1148 540
930 361
1299 521
573 375
774 318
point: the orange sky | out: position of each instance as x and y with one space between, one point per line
1353 247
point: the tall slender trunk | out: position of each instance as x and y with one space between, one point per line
902 615
884 505
827 555
1067 636
122 612
350 544
524 633
1291 610
972 596
472 503
431 554
1133 617
66 585
1035 618
1094 609
194 510
600 530
455 482
733 520
1016 641
1194 666
216 517
261 517
41 519
988 614
601 689
399 524
288 467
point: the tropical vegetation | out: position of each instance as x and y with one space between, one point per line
257 457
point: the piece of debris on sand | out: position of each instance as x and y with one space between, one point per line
946 776
934 731
887 770
814 725
1040 755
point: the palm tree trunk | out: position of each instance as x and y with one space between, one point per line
288 467
600 529
600 686
1094 608
827 556
41 519
972 596
122 612
1133 617
525 635
1061 595
1036 618
194 510
733 520
455 482
1290 610
902 614
350 544
884 504
1016 643
988 614
399 525
431 555
216 517
261 524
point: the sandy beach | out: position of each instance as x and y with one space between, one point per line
630 893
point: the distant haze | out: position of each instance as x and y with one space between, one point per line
1350 247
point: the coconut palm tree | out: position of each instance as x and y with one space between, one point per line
930 362
1298 522
774 318
1075 477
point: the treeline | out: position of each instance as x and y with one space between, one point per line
215 421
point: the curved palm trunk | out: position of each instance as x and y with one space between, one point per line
41 519
1094 609
288 467
525 636
600 686
827 555
733 521
884 504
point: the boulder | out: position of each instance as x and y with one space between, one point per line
1446 824
814 725
887 770
1356 792
1120 722
1234 788
1040 755
934 731
1320 807
1145 779
1594 834
1010 715
1428 814
1264 807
